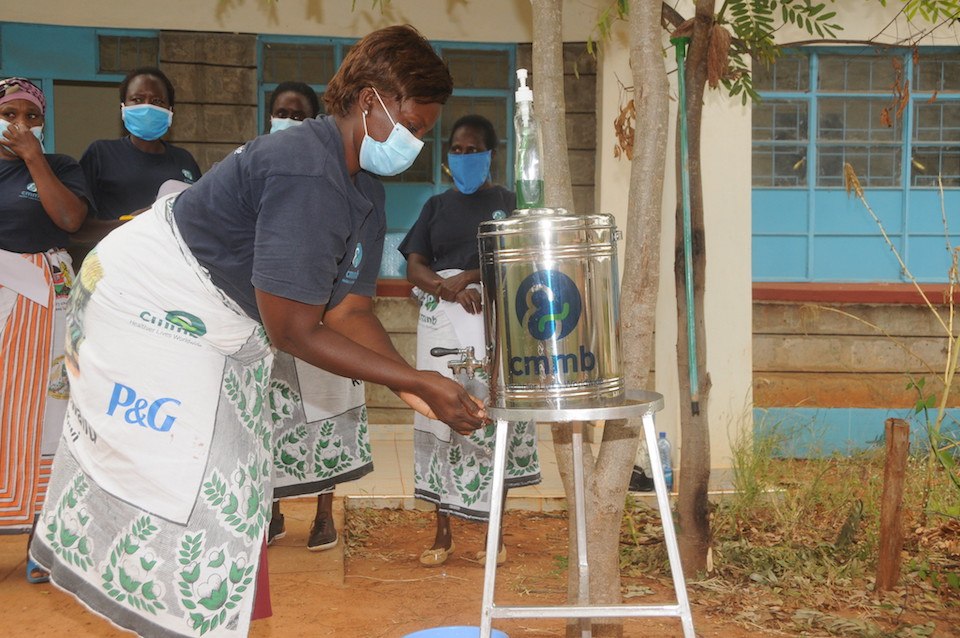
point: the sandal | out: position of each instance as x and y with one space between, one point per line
501 555
435 557
36 574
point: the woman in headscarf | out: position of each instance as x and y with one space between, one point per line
160 494
43 198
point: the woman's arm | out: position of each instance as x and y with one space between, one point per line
352 343
421 275
61 205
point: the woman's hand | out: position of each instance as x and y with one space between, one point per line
445 400
469 298
62 206
452 286
20 141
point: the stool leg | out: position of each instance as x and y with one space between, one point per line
669 533
493 528
580 508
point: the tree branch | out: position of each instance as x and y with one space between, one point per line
670 17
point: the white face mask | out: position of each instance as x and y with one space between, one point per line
282 123
392 156
36 130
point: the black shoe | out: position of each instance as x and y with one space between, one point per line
639 481
323 535
277 529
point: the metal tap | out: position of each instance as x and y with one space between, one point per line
467 364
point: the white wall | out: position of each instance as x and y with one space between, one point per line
457 20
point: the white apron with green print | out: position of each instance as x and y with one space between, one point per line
451 470
321 436
160 491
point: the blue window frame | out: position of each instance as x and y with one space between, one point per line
895 118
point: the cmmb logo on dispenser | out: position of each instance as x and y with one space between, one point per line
548 306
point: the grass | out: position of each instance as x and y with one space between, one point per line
795 547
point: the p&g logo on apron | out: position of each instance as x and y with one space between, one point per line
139 411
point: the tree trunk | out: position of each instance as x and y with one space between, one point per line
607 477
638 298
692 507
549 102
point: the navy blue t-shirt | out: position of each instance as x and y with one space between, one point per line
24 226
124 179
282 214
446 231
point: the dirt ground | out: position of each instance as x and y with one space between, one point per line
375 587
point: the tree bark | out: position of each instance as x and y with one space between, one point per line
549 101
607 477
638 298
693 506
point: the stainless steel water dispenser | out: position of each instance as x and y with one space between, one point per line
551 309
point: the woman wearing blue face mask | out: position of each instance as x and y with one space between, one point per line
443 262
125 174
290 104
327 411
171 333
43 197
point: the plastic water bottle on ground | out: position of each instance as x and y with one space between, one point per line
663 446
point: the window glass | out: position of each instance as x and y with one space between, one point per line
310 63
937 72
788 73
853 131
856 73
780 120
931 164
779 147
120 54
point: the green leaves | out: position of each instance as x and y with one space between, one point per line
931 10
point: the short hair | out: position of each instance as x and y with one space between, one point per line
296 87
397 61
480 123
147 70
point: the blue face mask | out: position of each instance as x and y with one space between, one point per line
146 121
470 170
392 156
36 130
283 123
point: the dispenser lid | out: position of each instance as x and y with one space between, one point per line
545 220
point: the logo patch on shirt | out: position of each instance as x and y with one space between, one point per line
354 271
188 176
30 192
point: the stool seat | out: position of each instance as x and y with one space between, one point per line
637 403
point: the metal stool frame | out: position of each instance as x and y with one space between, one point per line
636 404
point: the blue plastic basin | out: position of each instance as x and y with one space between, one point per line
453 632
